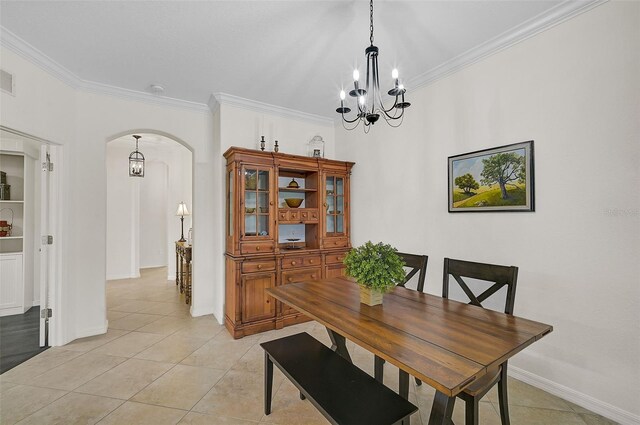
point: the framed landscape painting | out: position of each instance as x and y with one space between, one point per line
497 179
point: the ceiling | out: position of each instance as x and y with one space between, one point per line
294 54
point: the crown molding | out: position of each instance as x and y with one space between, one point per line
554 16
99 88
25 50
218 99
36 57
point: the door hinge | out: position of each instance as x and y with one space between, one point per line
47 165
47 240
46 313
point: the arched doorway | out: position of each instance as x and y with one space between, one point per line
142 225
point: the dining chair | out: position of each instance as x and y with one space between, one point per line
499 277
417 265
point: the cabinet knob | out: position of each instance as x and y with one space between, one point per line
313 276
271 203
267 301
293 263
257 248
339 258
324 205
259 266
290 279
310 261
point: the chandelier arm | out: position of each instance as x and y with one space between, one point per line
352 128
350 121
394 118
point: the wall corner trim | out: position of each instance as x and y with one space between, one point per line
218 99
588 402
554 16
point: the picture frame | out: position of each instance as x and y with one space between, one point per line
494 179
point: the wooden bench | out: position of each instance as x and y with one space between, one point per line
343 393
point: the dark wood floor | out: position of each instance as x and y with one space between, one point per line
19 338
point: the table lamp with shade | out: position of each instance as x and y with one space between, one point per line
182 211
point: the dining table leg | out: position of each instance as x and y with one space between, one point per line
442 409
339 345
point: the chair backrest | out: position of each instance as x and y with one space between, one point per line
499 275
418 264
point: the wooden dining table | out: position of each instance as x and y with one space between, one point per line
445 343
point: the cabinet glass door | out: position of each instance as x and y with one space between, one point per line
256 202
334 195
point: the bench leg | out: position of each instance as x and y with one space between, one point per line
403 385
268 383
378 368
442 409
339 345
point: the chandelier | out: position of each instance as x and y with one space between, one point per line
370 106
136 161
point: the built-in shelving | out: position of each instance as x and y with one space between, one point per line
17 249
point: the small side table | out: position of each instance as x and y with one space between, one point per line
183 269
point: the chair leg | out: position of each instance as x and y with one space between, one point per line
268 383
418 382
378 369
503 399
471 411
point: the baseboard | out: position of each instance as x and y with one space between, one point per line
98 330
197 312
588 402
119 277
10 311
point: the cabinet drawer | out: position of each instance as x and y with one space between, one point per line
309 215
300 275
336 243
297 262
300 215
257 247
335 258
258 266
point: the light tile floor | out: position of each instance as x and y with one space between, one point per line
158 365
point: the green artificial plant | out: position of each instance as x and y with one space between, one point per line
375 266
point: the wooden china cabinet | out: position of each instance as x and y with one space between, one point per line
270 241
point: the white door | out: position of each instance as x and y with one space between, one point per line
48 239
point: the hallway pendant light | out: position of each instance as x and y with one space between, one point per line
136 161
182 211
370 106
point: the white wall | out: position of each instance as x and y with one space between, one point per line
82 122
153 214
141 223
575 90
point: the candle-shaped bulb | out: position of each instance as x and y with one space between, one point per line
356 75
394 74
361 99
401 86
342 95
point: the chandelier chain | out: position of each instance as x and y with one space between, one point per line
371 20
